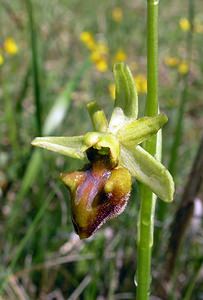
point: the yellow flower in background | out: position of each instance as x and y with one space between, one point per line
181 65
101 65
112 90
98 51
87 38
99 56
141 83
183 68
117 14
171 61
95 56
1 59
184 24
102 48
120 56
10 46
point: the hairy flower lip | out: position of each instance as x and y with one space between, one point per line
107 214
98 193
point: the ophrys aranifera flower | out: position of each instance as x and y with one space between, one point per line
101 190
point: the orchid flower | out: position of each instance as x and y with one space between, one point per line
102 189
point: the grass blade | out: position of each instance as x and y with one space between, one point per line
192 282
184 213
162 207
23 242
35 67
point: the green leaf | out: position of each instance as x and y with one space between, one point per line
33 167
70 146
146 169
126 93
137 131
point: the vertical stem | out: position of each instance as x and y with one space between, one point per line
146 214
152 59
35 67
10 117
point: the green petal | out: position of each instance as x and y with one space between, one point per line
70 146
118 120
97 116
149 171
137 131
126 94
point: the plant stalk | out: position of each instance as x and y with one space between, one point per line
35 67
148 199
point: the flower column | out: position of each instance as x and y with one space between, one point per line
148 199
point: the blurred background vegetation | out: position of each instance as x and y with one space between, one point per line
55 56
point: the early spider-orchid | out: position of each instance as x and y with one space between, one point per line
101 190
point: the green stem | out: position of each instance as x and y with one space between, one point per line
10 117
146 214
35 67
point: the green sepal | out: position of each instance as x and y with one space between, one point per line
69 146
137 131
126 93
146 169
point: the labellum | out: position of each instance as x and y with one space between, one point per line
98 193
